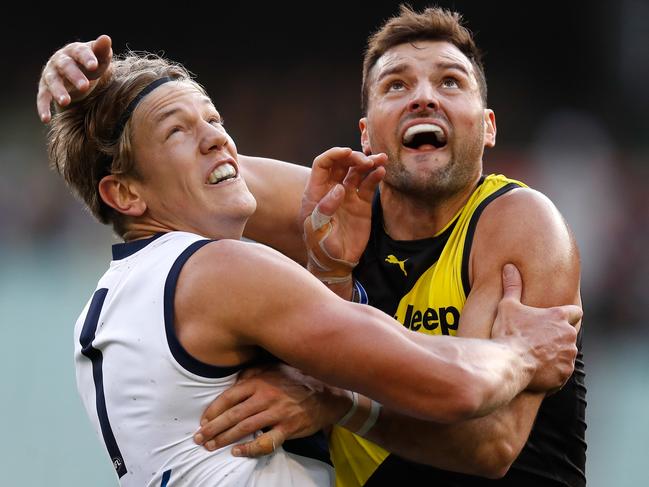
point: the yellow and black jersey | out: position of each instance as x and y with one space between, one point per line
424 285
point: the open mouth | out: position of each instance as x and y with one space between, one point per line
222 173
424 135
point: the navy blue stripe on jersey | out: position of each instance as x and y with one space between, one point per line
314 446
362 293
126 249
85 339
165 478
468 240
181 355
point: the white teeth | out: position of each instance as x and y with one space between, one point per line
224 171
422 128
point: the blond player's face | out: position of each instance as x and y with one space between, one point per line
426 112
188 163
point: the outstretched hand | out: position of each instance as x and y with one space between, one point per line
336 210
71 72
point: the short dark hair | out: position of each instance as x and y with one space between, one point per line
433 24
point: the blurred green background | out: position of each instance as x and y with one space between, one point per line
568 82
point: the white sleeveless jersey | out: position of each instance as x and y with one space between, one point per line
145 394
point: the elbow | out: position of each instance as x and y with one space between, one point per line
495 459
464 403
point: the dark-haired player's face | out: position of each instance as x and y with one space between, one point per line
425 111
188 163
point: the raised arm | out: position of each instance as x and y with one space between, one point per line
72 72
278 187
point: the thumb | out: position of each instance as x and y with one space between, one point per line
102 48
512 282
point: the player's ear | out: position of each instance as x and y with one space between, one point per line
365 137
489 128
122 195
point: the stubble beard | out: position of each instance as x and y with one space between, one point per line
438 184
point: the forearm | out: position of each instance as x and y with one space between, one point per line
353 346
489 373
277 186
484 446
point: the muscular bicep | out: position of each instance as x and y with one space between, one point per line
278 187
524 228
256 297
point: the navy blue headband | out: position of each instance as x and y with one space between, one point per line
119 128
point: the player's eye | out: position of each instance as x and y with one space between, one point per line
396 85
449 82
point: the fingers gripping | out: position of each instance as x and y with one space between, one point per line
239 431
512 282
573 315
264 444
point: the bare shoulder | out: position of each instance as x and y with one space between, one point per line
227 279
524 216
238 260
524 227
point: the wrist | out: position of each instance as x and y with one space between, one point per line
337 402
343 289
327 268
361 416
527 359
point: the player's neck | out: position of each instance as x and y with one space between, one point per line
408 218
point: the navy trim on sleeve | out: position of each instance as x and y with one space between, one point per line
181 355
126 249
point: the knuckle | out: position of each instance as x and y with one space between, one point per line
77 48
63 60
559 314
209 413
209 430
231 415
227 395
254 450
49 77
247 426
506 305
